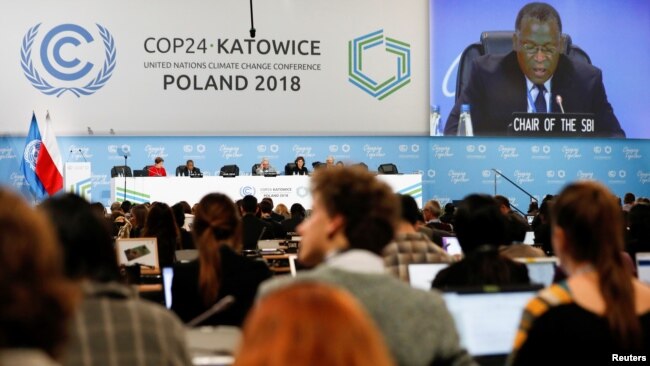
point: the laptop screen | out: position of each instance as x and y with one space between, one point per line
451 245
540 270
167 276
643 266
529 239
488 335
421 275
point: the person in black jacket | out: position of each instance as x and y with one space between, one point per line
189 170
220 269
481 228
253 228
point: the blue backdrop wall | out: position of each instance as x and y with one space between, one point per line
451 167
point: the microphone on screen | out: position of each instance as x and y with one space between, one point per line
558 99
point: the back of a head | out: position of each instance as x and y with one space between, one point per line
503 200
160 221
216 222
321 325
37 299
410 211
266 207
639 219
249 204
297 211
540 11
126 206
85 238
591 219
368 206
269 200
116 206
433 207
140 214
179 214
450 208
478 221
629 198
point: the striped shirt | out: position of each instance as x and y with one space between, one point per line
115 328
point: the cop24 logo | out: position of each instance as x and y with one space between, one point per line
59 62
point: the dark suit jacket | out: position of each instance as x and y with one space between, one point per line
497 88
252 231
195 172
240 278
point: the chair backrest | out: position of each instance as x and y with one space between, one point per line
140 173
254 168
389 168
121 170
146 168
229 170
179 170
317 164
500 42
289 168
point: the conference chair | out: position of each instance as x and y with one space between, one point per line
121 170
254 168
146 168
179 170
289 168
500 42
363 166
140 173
229 171
317 164
387 169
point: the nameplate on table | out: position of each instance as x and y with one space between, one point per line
553 124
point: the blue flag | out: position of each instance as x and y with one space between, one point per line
28 163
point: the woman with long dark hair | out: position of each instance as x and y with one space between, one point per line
220 270
600 311
160 224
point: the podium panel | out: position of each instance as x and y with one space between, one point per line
77 178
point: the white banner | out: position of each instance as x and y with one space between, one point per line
166 67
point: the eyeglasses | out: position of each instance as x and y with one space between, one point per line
532 49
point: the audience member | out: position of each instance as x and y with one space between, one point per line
600 310
299 168
481 229
410 246
353 218
628 201
253 228
185 237
220 269
160 224
157 170
37 300
517 225
99 209
116 207
138 219
113 326
543 228
126 206
297 216
274 216
319 326
431 213
448 216
282 210
266 209
533 208
638 235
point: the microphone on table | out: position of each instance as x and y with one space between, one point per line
220 306
558 99
83 155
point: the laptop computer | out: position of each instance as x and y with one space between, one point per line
421 275
540 270
451 245
292 265
167 277
643 266
489 339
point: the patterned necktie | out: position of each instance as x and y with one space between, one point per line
540 101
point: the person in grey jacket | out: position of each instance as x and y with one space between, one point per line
353 218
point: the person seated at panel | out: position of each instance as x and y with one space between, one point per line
531 78
112 326
37 300
353 218
410 246
157 170
220 270
299 168
320 325
601 310
265 168
189 170
481 229
329 162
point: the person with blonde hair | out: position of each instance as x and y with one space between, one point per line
220 270
37 299
600 313
281 209
311 324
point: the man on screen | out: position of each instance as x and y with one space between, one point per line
531 78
